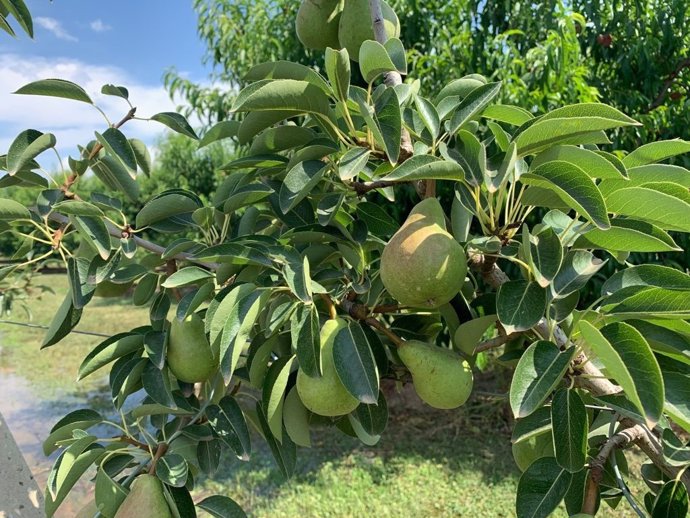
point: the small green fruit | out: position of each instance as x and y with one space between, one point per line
422 265
355 25
526 451
145 499
190 356
441 378
326 395
317 23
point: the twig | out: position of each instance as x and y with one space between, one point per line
332 313
390 334
160 451
361 188
496 342
685 63
134 442
388 308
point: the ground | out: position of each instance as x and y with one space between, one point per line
428 463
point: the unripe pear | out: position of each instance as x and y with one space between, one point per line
145 499
526 451
356 27
326 395
441 378
317 23
190 356
422 265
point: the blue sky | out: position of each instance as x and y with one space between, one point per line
94 42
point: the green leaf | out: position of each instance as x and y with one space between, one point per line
656 152
541 488
378 221
11 210
647 275
115 143
157 385
299 182
18 9
337 64
165 206
389 122
298 279
355 365
672 500
570 426
220 506
426 167
66 318
56 88
659 208
304 331
284 453
227 420
520 305
352 163
374 60
628 359
574 187
628 235
473 104
95 232
117 91
429 115
648 302
373 418
186 276
109 350
577 268
287 70
273 392
175 122
254 122
172 469
108 494
78 208
71 465
219 131
281 138
513 115
546 255
113 174
296 418
284 94
540 369
82 419
592 163
469 334
397 53
27 146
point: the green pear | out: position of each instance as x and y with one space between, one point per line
317 23
441 378
190 356
145 498
422 265
534 447
356 27
88 511
326 395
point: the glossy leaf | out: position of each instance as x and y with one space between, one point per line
175 122
569 424
656 152
374 60
426 167
540 369
56 88
337 64
228 422
541 488
355 365
520 305
304 331
299 182
220 506
27 146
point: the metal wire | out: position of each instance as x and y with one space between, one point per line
36 326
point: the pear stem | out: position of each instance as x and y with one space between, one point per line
390 334
332 313
160 451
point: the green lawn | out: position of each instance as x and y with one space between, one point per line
428 463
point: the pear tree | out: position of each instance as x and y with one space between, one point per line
284 302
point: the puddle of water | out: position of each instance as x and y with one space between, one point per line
30 419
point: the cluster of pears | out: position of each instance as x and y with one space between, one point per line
145 498
423 266
341 24
326 395
441 378
190 356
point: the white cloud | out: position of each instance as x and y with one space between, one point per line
99 26
54 26
73 122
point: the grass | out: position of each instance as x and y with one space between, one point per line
427 464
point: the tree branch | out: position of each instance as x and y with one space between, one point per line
685 63
496 342
361 188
